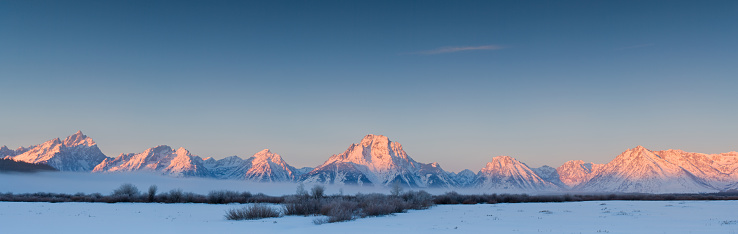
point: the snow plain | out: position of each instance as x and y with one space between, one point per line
572 217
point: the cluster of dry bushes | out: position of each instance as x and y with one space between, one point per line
336 208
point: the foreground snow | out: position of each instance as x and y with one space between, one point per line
577 217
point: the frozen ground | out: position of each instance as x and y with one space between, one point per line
576 217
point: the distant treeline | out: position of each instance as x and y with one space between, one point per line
130 193
455 198
10 165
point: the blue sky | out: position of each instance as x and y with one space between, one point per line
456 82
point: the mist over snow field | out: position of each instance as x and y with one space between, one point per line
105 183
570 217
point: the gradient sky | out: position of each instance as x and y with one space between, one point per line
455 82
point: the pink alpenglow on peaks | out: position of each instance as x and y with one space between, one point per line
162 159
269 167
505 173
642 170
575 172
78 139
76 153
376 160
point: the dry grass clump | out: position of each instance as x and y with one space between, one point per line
256 211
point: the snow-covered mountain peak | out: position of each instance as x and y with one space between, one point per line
643 170
54 141
505 165
586 167
501 162
267 154
268 166
637 153
161 159
78 139
467 172
377 160
374 139
182 151
507 173
4 151
76 153
378 153
575 172
233 158
159 149
674 151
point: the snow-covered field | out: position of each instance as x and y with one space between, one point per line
574 217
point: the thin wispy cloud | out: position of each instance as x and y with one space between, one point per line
635 46
454 49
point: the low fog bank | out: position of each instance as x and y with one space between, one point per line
105 183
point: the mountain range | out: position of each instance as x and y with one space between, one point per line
377 161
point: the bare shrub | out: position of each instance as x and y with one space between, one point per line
341 214
225 197
151 195
419 200
448 198
396 189
128 190
317 191
256 211
175 196
125 193
301 190
298 205
320 221
190 197
338 205
379 205
338 210
263 198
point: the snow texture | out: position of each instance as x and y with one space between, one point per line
572 217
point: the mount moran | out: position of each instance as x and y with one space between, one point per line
377 161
